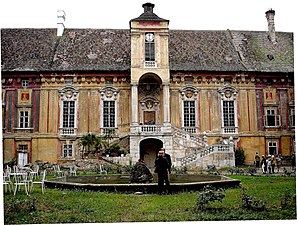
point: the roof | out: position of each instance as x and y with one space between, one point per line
202 51
109 50
148 14
258 53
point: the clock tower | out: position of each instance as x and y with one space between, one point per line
150 80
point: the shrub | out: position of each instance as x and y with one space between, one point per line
288 199
251 170
239 157
236 170
207 195
26 205
251 202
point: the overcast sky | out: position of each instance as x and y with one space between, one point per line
115 14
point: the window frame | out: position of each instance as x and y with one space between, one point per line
292 118
272 118
229 94
190 122
149 49
272 144
25 83
68 148
26 123
108 93
68 94
109 114
68 114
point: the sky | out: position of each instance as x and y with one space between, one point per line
116 14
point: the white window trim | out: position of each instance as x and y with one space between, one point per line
292 118
72 148
108 94
194 98
25 83
276 146
29 116
68 93
276 118
229 93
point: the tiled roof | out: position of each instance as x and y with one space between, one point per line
202 50
93 49
258 53
109 50
27 49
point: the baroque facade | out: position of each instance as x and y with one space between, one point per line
199 94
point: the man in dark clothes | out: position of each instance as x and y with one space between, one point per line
168 157
162 167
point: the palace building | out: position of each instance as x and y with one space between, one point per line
199 94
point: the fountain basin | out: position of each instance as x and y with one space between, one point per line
120 183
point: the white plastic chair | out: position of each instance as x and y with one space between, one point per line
41 182
102 170
58 171
7 182
35 171
72 170
20 179
16 169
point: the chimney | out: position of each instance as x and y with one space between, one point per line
61 16
148 7
271 27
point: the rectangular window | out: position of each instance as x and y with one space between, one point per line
271 118
109 114
292 118
23 148
272 148
149 47
25 83
24 119
68 114
67 150
189 114
228 114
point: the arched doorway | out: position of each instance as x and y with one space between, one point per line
149 90
149 149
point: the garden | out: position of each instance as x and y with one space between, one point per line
259 197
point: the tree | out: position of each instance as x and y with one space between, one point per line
100 143
239 156
87 141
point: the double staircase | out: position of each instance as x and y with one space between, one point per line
198 153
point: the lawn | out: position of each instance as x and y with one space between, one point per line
65 206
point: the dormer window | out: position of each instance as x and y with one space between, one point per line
25 83
149 50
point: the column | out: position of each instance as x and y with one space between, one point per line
134 105
166 104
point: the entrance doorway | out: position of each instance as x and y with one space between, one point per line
149 149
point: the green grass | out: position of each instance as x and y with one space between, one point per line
65 206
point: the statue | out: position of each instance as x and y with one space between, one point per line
140 173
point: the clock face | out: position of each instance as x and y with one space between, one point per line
149 37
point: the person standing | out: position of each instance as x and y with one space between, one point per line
268 162
264 164
273 162
161 168
257 160
168 157
278 162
